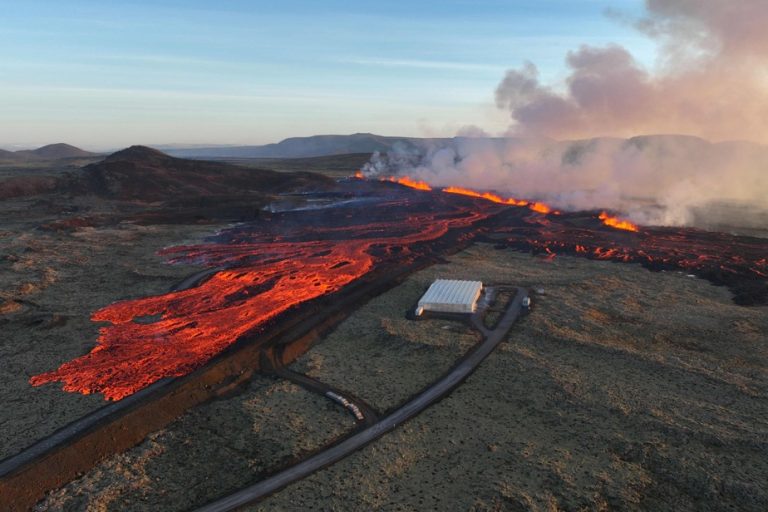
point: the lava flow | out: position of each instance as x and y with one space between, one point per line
488 196
462 191
617 223
272 266
737 262
408 182
289 258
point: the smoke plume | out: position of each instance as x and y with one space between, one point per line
710 82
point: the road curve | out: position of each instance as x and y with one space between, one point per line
441 388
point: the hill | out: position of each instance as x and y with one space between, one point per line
56 152
367 143
50 152
8 156
142 173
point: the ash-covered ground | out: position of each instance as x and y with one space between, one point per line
624 389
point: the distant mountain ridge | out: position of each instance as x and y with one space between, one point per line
57 151
328 145
305 147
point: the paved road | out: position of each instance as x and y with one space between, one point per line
438 390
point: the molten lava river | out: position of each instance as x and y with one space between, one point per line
288 258
268 267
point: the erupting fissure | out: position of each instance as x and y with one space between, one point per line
617 223
408 182
488 196
613 222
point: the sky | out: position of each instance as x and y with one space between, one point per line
104 75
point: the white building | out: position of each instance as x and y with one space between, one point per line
450 296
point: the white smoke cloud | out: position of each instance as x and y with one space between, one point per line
654 180
710 82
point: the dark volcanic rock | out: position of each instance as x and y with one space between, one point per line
145 174
21 186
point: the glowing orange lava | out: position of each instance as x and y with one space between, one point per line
408 182
288 258
170 335
617 223
540 207
486 195
490 196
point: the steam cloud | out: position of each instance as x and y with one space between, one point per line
710 81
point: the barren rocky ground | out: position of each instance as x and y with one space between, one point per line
624 389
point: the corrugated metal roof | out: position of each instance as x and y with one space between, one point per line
451 295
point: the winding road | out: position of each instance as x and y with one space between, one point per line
440 389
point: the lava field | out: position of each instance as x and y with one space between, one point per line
268 267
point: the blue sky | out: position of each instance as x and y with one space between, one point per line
103 75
